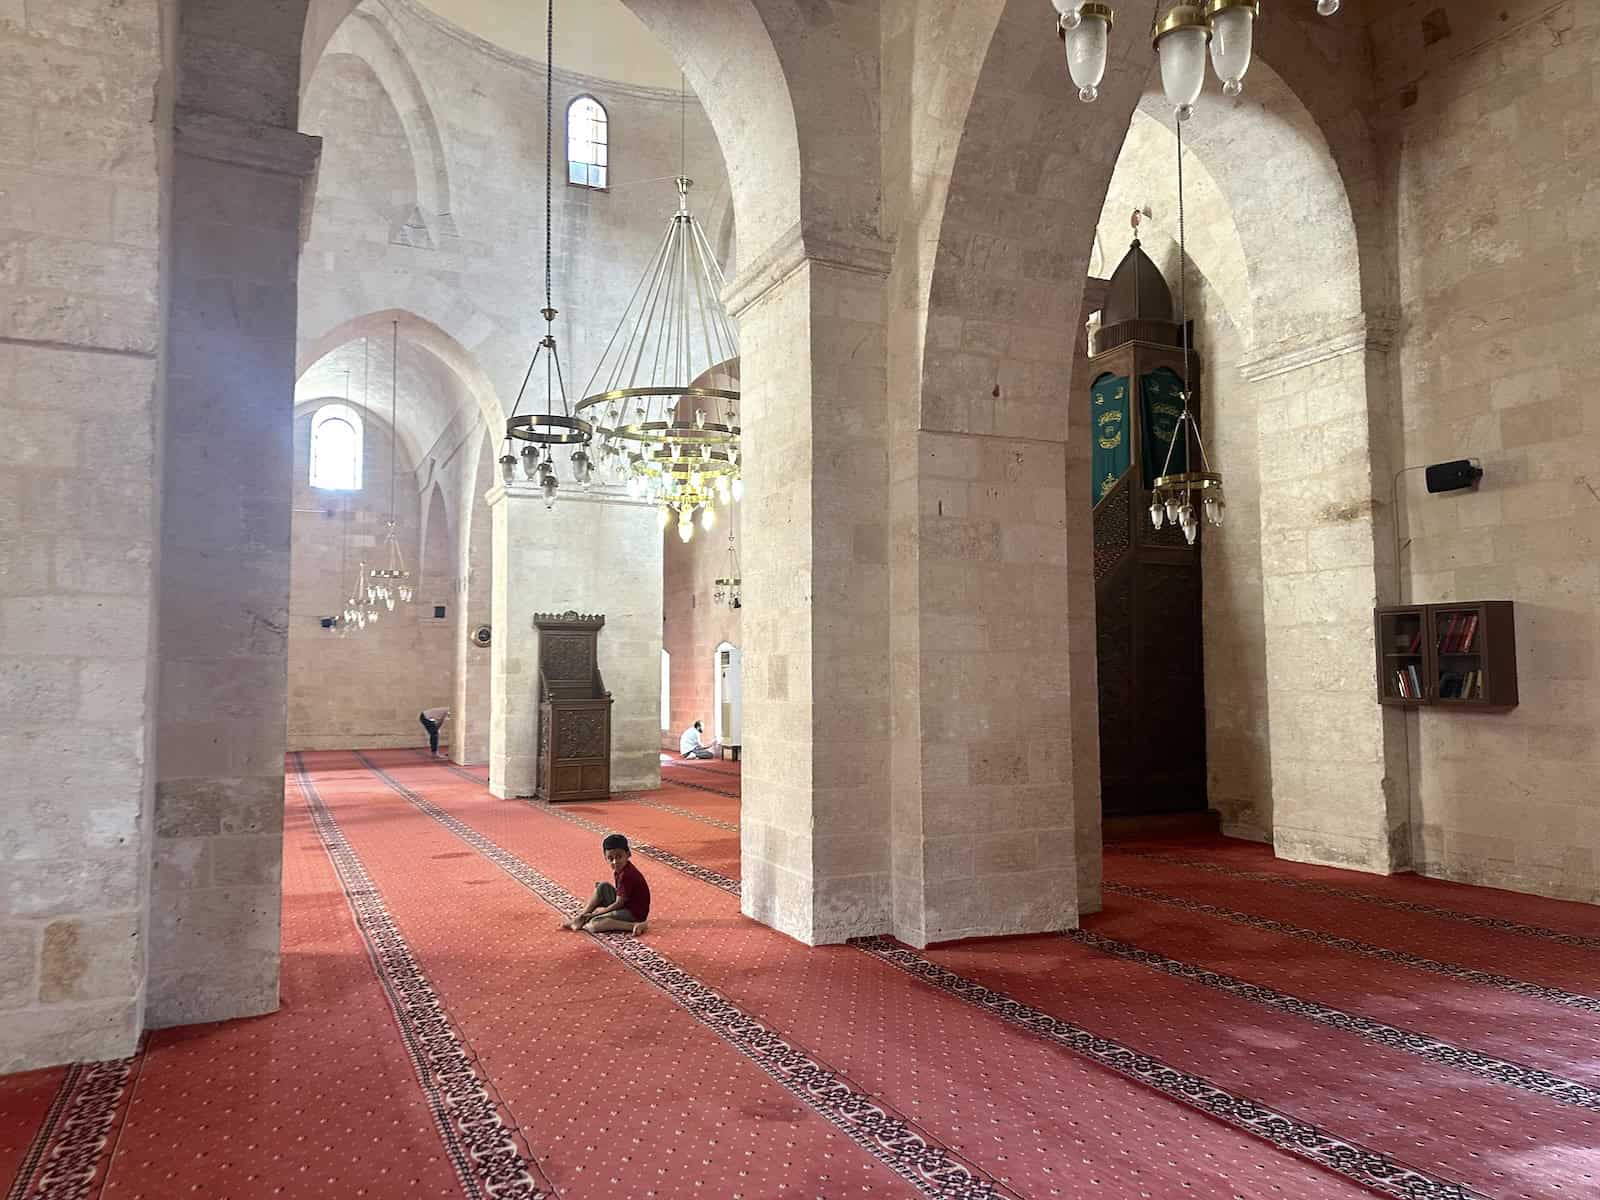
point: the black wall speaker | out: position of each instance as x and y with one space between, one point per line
1453 476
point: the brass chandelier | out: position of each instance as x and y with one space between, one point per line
1179 36
727 588
1173 493
379 588
541 432
664 397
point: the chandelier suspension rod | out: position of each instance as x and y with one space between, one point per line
719 317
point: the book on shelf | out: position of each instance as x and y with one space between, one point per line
1459 633
1461 685
1408 683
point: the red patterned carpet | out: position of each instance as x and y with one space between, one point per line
1230 1026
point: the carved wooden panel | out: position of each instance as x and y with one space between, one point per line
1113 533
567 657
583 734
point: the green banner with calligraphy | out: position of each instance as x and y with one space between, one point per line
1109 411
1161 403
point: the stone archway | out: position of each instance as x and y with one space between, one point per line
986 295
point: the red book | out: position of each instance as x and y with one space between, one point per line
1471 632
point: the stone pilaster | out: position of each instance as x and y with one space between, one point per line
814 820
1339 774
592 553
224 571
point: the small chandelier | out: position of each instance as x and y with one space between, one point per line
1179 36
727 588
541 432
1173 493
392 581
665 393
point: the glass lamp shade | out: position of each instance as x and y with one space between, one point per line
738 489
530 463
1068 11
708 518
548 486
389 603
663 517
1173 509
1216 508
1327 8
685 527
1232 42
508 467
1181 45
724 489
582 472
1188 523
1157 513
1086 37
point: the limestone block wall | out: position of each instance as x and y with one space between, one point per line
82 119
1493 147
617 574
430 198
695 624
363 688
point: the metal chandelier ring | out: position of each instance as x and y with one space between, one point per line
550 429
1187 481
630 393
675 433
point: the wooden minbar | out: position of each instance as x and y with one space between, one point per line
1147 581
574 709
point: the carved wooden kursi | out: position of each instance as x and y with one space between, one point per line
574 709
1147 583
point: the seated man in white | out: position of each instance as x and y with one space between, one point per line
690 746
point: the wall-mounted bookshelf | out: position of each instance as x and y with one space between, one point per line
1447 655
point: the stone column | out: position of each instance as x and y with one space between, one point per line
224 571
814 559
1339 776
590 553
469 742
84 120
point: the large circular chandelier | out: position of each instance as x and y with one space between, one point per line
1180 37
664 397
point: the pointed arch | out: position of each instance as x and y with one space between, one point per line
371 34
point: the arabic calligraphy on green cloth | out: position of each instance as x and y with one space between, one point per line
1109 421
1161 403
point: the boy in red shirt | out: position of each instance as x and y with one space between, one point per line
622 906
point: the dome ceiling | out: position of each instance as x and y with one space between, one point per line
601 38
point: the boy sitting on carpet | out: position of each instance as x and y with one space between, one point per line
621 906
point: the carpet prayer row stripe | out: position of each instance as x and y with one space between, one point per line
666 857
630 797
1358 1163
73 1145
931 1168
1498 1070
1482 921
478 1135
1520 987
1486 1066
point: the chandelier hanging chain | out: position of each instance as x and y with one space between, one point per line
394 411
549 134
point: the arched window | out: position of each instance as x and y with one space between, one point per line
588 163
336 448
